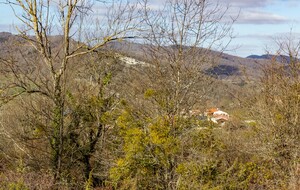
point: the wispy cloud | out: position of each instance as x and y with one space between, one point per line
260 17
257 3
248 3
255 36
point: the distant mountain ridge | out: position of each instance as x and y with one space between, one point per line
4 36
264 56
279 58
225 66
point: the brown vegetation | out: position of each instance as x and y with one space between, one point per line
74 115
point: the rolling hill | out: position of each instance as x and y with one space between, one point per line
224 66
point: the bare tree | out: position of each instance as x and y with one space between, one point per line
179 41
182 38
276 111
43 69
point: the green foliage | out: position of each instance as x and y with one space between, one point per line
89 182
149 154
160 152
197 175
149 93
16 186
107 79
80 130
18 182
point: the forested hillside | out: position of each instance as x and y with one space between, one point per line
124 103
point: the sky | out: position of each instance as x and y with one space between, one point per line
260 22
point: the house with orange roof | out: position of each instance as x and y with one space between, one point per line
214 115
217 116
210 111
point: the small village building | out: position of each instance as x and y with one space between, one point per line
217 116
214 115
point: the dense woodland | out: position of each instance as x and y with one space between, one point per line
75 115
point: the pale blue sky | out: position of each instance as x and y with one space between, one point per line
260 21
263 21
